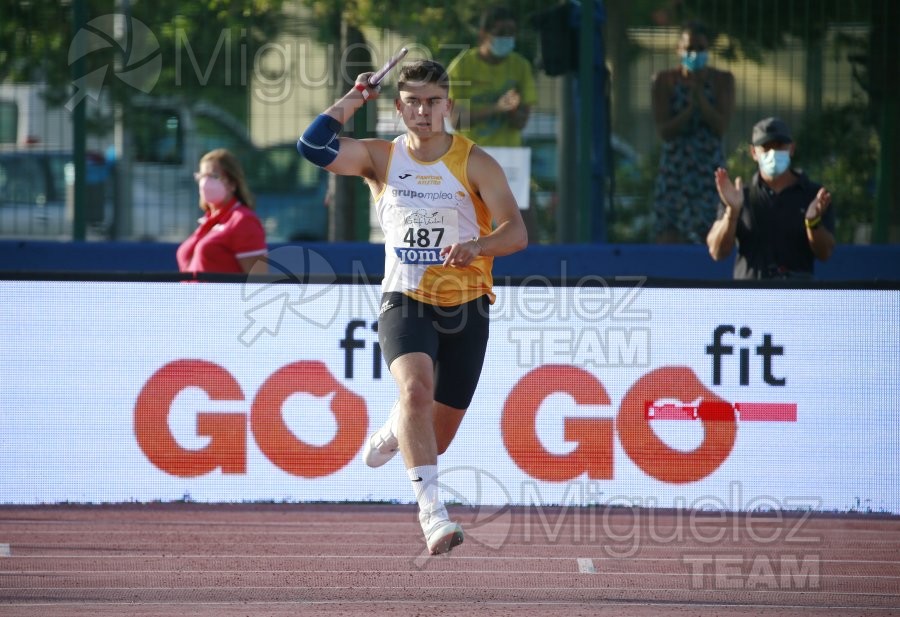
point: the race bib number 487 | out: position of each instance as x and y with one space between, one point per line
419 234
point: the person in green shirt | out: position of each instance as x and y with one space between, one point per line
491 85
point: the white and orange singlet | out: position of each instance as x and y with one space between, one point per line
423 207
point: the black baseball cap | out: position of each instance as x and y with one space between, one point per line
771 129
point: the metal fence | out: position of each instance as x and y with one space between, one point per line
817 64
825 66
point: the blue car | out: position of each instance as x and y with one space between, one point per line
35 188
36 200
291 194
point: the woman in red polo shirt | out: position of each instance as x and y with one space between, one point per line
230 238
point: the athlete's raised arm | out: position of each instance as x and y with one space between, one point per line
321 143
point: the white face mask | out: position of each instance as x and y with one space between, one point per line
213 190
773 163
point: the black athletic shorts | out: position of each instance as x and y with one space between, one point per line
454 336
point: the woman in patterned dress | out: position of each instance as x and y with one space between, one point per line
692 105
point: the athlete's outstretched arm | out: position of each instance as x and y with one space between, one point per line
321 144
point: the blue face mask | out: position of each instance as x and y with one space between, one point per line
773 163
502 46
694 60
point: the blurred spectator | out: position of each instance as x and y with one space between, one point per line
491 85
692 105
230 237
782 222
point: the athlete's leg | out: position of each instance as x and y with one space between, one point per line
446 423
405 328
460 358
414 374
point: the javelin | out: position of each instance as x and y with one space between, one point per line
376 78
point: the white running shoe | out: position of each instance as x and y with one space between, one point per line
382 445
441 534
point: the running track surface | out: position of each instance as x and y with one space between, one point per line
234 560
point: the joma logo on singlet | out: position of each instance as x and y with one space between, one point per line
418 256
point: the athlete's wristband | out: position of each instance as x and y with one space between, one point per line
364 90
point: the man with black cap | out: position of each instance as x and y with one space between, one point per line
782 222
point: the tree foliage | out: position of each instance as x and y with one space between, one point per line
754 26
441 28
207 47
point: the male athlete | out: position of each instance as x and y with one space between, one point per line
446 211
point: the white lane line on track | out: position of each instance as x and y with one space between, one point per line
310 527
586 565
588 569
668 606
357 557
405 588
512 603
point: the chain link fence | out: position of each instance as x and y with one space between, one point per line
190 81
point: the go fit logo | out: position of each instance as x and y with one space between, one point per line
227 449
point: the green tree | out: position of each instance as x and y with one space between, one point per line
441 28
207 47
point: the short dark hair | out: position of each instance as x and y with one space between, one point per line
423 72
698 28
494 14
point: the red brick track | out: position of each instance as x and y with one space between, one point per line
229 560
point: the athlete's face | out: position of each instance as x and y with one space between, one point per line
423 108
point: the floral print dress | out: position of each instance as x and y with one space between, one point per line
685 195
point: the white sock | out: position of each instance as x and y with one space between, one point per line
425 488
